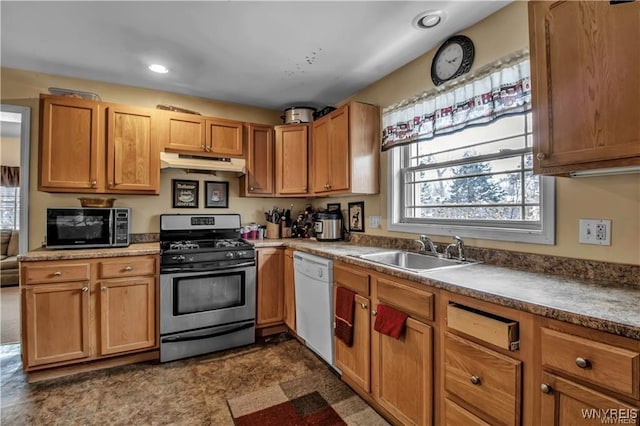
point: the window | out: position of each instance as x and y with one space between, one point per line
475 183
9 207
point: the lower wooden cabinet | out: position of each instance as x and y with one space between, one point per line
270 286
86 320
289 291
56 323
454 415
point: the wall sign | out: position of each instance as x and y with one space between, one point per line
184 193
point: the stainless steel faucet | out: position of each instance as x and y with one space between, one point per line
458 244
425 242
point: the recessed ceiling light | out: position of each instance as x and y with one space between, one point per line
428 19
158 68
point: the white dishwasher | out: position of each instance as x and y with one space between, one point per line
314 302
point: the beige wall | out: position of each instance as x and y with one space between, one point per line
10 152
612 197
24 87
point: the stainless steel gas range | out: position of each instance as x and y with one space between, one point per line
207 285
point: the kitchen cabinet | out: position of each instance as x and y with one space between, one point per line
402 369
270 286
289 291
106 307
259 180
197 135
355 361
79 137
585 85
291 160
345 151
585 372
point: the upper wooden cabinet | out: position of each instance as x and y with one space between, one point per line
79 137
291 160
345 147
585 68
258 181
198 135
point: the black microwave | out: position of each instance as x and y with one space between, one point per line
87 227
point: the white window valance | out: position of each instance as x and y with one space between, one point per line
500 88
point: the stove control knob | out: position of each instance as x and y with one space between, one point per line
229 255
241 253
179 258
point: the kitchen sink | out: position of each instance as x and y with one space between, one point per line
413 261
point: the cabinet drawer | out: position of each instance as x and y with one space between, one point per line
456 416
487 380
351 279
602 364
127 267
413 302
55 273
502 332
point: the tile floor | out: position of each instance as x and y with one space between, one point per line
186 392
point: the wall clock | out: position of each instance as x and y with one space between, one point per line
452 59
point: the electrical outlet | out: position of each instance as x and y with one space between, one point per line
374 221
595 231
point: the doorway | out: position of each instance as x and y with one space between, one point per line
15 122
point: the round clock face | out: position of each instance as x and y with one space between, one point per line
452 59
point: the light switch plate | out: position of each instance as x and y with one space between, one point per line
595 231
374 221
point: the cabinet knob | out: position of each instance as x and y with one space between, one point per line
57 274
475 380
363 305
85 289
110 184
545 388
304 188
251 188
582 362
374 313
541 156
328 186
94 183
103 288
128 268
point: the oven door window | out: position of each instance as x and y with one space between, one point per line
211 292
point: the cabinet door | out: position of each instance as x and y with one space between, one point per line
182 132
270 284
402 373
260 151
127 314
320 156
71 145
132 150
339 155
224 138
56 317
291 159
585 82
289 291
567 403
354 361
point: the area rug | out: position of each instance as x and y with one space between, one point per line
315 399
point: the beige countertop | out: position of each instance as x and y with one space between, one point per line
598 304
601 305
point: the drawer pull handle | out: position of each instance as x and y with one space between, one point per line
85 289
583 363
475 380
374 313
545 388
128 268
363 305
541 156
57 274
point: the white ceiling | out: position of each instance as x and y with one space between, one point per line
268 54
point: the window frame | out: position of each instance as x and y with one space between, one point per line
488 230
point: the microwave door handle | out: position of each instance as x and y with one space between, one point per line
112 225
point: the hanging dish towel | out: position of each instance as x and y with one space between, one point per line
390 321
344 315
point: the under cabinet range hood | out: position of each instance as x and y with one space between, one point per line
171 160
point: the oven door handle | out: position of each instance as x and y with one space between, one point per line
187 338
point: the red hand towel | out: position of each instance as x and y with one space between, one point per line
344 315
390 321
